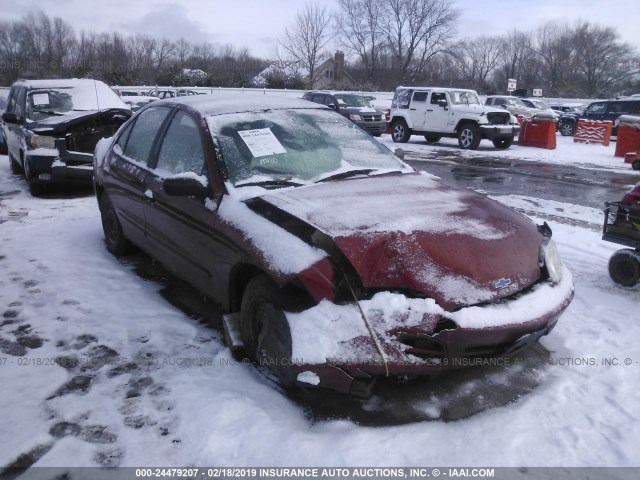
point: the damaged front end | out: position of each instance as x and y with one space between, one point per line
479 281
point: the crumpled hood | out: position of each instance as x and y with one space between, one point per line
59 124
413 232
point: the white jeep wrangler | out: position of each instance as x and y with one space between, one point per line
449 112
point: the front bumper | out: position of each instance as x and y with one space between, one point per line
333 347
492 132
373 128
59 165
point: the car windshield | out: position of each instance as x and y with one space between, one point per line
296 147
540 104
352 101
47 102
463 97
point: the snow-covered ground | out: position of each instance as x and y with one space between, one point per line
567 152
97 368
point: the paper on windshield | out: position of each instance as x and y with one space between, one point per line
261 142
40 99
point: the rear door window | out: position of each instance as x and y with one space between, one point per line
420 96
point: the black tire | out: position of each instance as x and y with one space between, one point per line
35 188
264 327
636 164
624 267
3 149
15 167
114 237
469 136
432 138
503 143
567 129
400 132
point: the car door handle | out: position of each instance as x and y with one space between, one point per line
412 109
429 110
148 196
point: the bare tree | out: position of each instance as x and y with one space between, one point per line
306 38
417 30
601 60
477 58
361 24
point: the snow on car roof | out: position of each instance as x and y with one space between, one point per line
214 105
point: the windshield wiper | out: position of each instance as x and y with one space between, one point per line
349 173
48 112
283 182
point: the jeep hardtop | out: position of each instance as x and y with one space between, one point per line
449 112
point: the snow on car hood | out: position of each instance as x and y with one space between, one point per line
414 232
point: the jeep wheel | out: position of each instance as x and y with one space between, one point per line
432 138
469 136
636 165
502 143
400 132
567 129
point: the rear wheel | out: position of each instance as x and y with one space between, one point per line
624 267
114 237
502 143
264 327
400 132
432 138
636 164
16 169
567 129
469 136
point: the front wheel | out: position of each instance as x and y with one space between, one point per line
400 132
469 136
502 143
264 327
624 267
114 237
567 129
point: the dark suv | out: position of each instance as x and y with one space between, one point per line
52 126
611 110
353 106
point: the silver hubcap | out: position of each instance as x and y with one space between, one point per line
466 137
398 132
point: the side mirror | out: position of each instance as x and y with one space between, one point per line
332 106
10 118
399 153
184 187
442 103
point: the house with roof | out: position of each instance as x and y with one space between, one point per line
330 73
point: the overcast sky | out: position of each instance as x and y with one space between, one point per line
257 24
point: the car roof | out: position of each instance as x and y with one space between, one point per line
56 83
213 104
444 89
336 92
